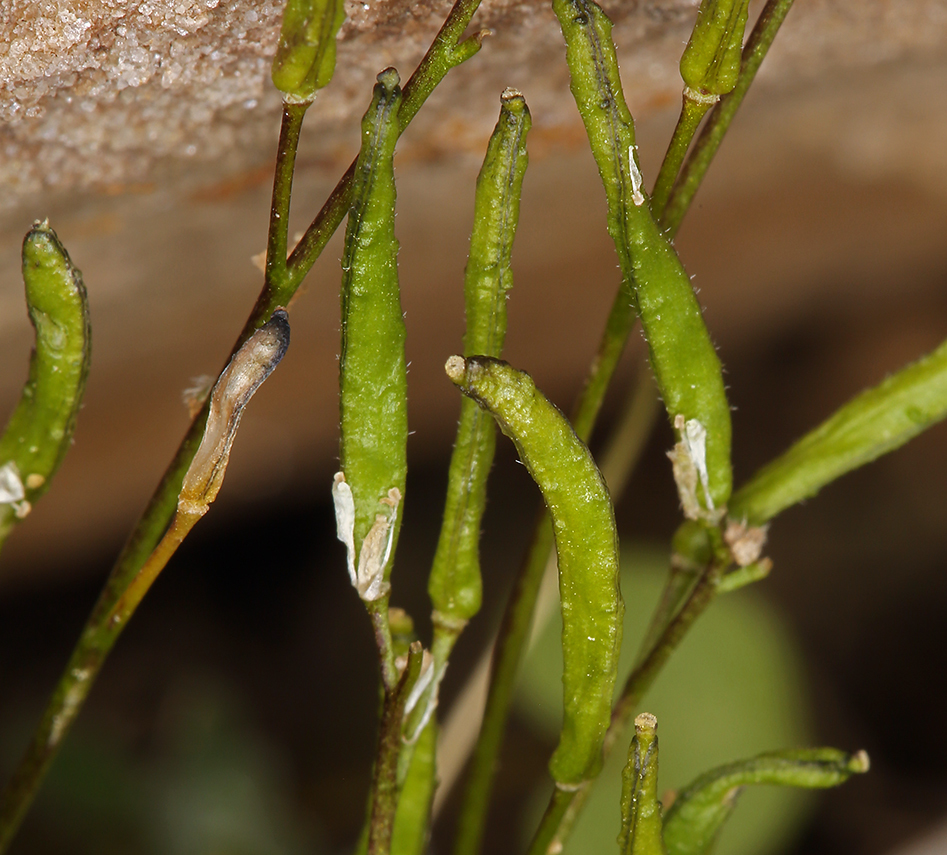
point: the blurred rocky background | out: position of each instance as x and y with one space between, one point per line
145 131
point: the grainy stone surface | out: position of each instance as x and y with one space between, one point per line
111 94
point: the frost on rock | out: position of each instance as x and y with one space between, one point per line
92 91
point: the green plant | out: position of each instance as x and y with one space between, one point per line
717 549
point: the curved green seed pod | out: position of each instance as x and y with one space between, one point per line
40 429
699 811
305 54
455 585
877 421
640 808
711 60
586 543
373 394
683 358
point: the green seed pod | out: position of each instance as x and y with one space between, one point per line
455 585
305 54
41 427
683 358
693 821
711 61
640 808
877 421
373 394
586 544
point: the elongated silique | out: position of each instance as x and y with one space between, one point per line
455 585
640 808
873 423
683 358
586 545
41 428
373 373
700 809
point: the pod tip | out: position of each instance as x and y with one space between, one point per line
455 367
389 78
859 762
646 722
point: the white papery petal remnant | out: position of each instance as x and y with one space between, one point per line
345 521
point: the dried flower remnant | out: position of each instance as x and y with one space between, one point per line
238 382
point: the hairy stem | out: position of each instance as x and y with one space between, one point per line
692 111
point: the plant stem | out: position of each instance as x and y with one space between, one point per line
276 247
542 840
384 798
282 279
378 612
628 437
106 623
691 176
507 654
693 109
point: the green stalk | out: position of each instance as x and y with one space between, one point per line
691 176
277 241
412 818
385 789
693 109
